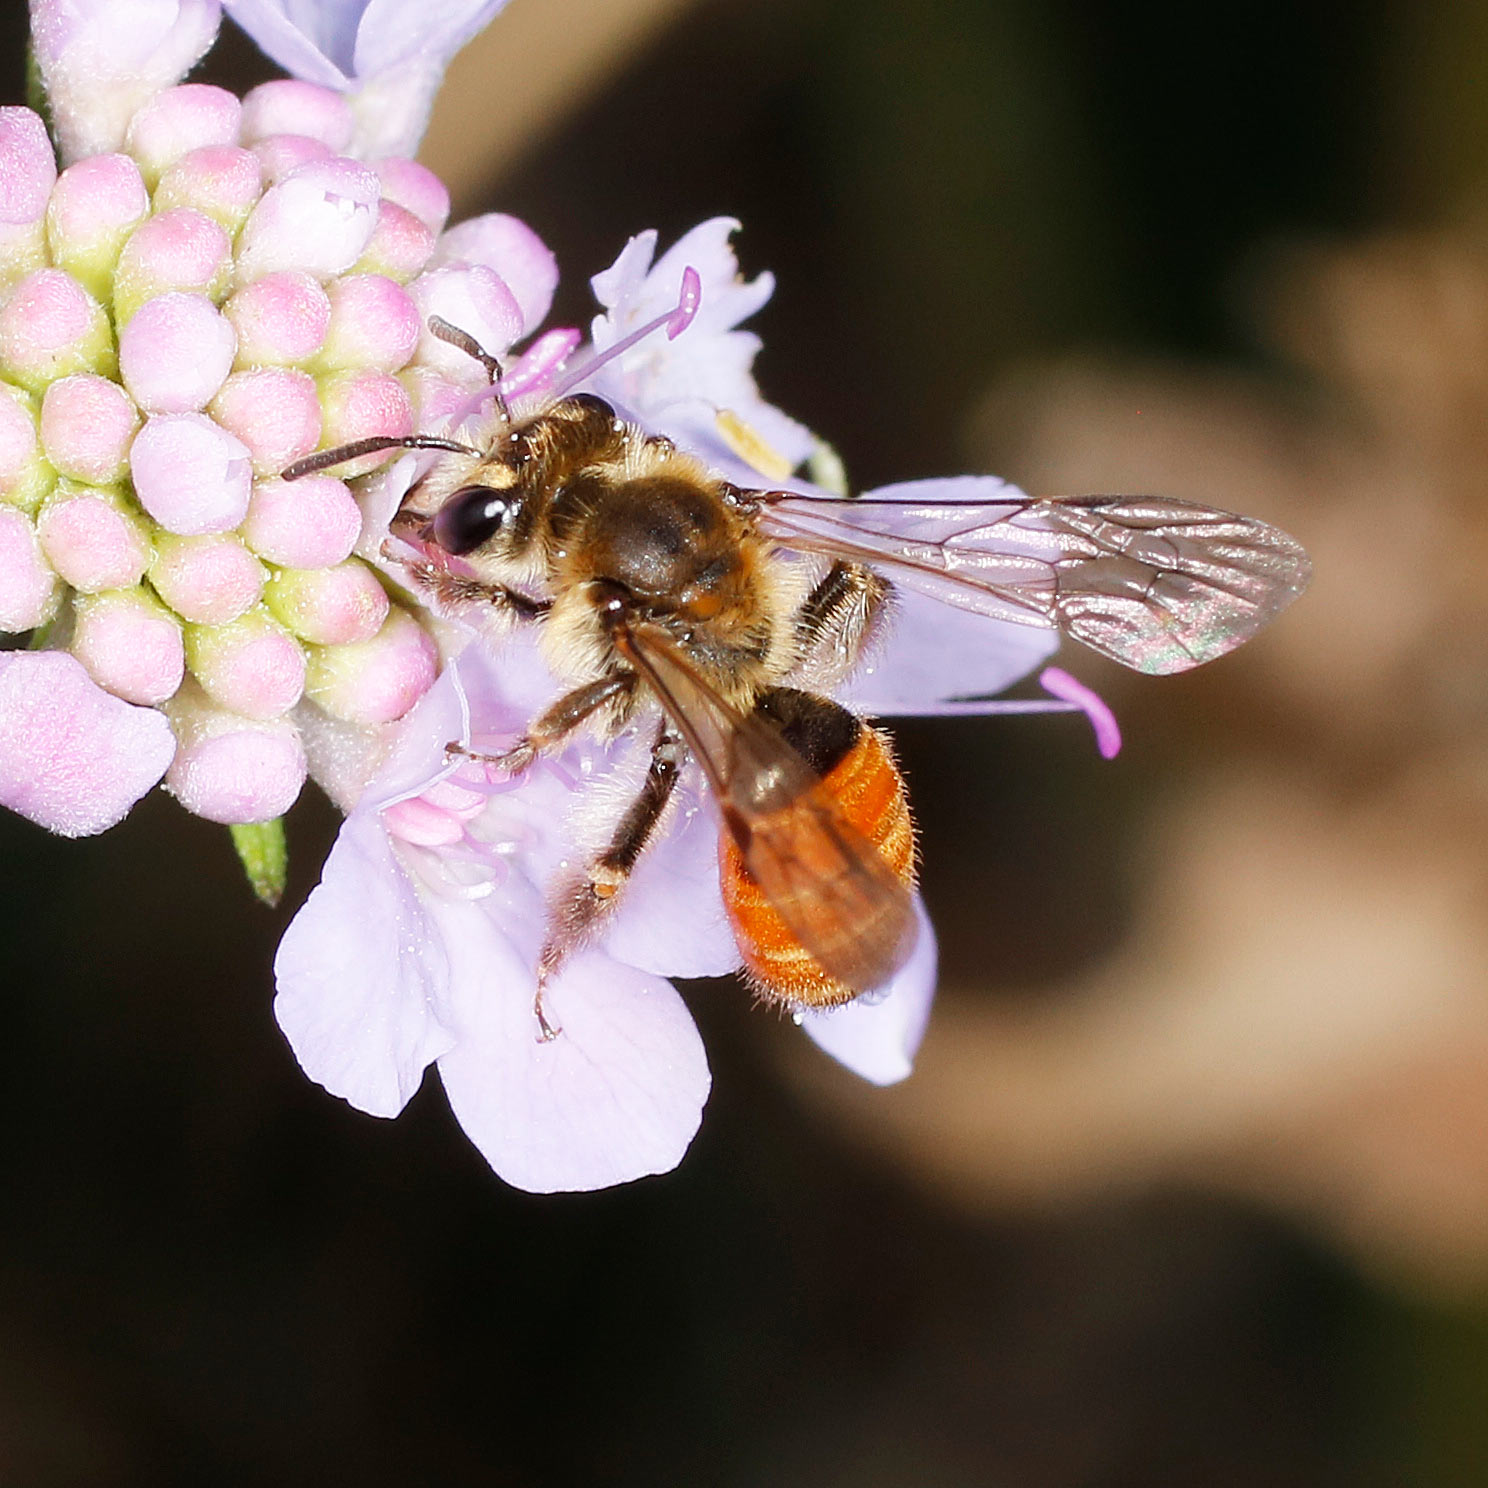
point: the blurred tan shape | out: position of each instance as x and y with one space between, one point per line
1299 1012
522 76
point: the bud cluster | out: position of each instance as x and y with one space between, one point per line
180 321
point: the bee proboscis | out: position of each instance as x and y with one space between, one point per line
727 613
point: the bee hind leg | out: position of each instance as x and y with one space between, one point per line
836 620
582 904
553 725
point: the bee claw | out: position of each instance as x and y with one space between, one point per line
546 1032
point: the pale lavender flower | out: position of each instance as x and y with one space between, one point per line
386 56
460 866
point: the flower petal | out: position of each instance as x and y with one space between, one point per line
73 759
931 653
878 1038
362 971
671 920
617 1095
393 32
317 47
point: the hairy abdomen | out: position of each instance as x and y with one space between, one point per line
869 791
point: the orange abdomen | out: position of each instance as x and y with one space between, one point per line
869 791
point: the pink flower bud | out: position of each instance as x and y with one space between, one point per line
103 60
288 106
27 168
507 246
318 219
399 247
50 327
281 320
220 181
210 580
229 768
87 425
251 665
329 606
95 206
27 171
26 476
415 188
275 412
435 397
357 405
130 644
92 538
309 523
176 352
72 758
373 324
191 475
29 590
279 154
180 120
176 250
375 681
473 298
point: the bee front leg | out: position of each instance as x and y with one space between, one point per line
554 724
447 591
581 905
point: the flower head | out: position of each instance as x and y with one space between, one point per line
218 324
209 291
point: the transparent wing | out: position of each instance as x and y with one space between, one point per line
1156 584
828 883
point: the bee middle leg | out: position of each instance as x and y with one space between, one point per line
554 724
583 903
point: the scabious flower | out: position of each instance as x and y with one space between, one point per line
210 291
456 864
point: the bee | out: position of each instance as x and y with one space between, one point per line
664 591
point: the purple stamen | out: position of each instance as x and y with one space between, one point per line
1060 684
676 320
689 300
540 362
531 373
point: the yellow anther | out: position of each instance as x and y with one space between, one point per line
751 448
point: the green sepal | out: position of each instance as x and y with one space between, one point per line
264 855
36 93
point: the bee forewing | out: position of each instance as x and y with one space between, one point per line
1156 584
829 884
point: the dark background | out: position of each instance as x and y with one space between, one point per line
212 1272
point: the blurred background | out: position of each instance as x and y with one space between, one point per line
1191 1184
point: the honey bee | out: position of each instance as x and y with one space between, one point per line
664 591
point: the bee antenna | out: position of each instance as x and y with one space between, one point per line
467 343
371 446
675 321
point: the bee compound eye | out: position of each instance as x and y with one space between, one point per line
472 515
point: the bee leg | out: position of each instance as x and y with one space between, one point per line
838 616
581 906
450 591
554 724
